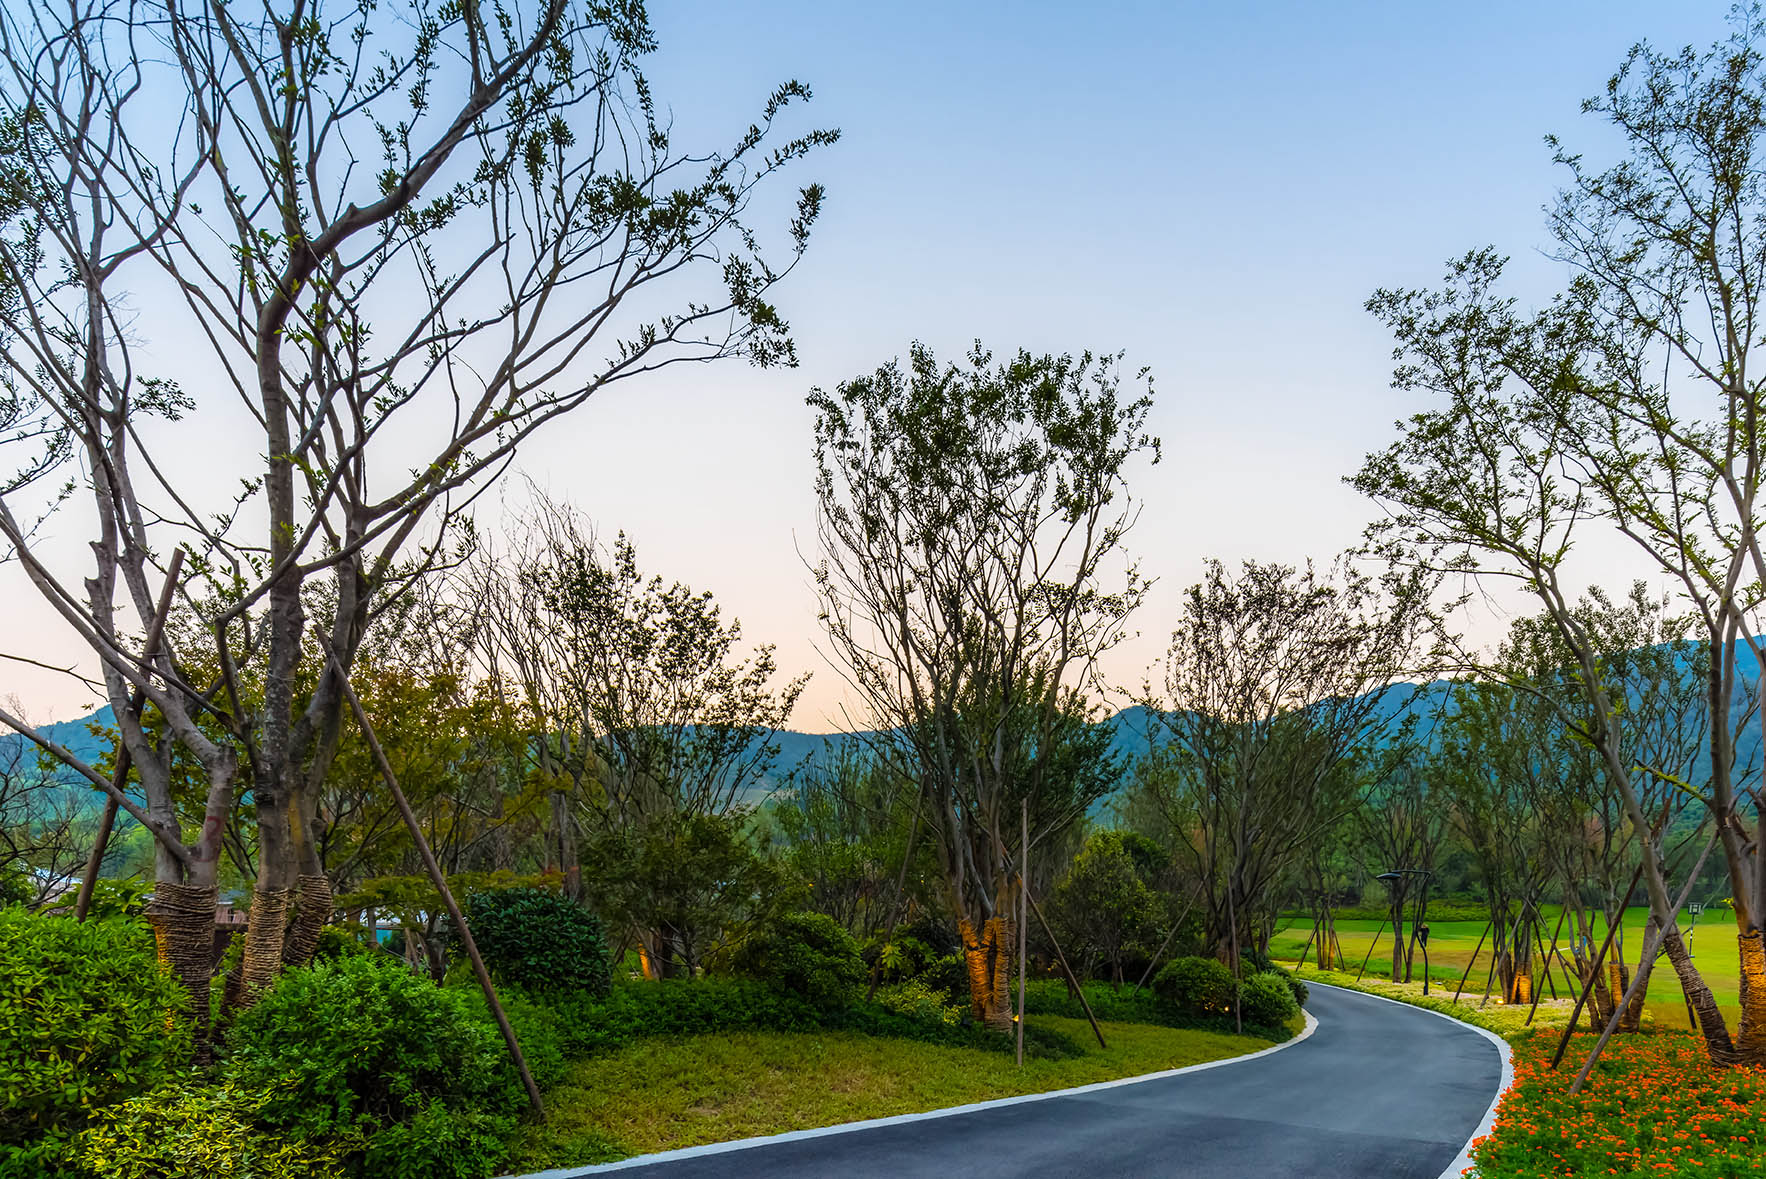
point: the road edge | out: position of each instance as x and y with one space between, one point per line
735 1144
1504 1081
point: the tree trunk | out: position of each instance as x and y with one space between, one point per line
1750 1045
988 959
1717 1043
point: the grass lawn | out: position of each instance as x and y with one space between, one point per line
668 1093
1451 944
1507 1022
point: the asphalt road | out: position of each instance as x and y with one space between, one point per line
1379 1091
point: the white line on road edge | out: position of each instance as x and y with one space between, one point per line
689 1152
1502 1049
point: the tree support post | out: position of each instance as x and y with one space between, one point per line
1562 913
441 884
1594 972
1166 944
1371 948
1467 973
119 776
1642 979
1060 956
1023 917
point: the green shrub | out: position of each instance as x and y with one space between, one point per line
541 940
543 1042
675 1007
350 1049
1297 989
1112 1004
919 1001
191 1131
87 1017
1265 999
342 941
439 1141
687 1007
809 955
15 889
1195 986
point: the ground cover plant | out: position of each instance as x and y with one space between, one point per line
1654 1105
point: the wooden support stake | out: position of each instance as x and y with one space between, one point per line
1023 916
1650 945
1594 973
119 776
1072 979
1467 973
1562 913
441 884
1166 944
1307 948
1371 948
1067 970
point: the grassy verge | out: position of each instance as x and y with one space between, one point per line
1508 1022
669 1093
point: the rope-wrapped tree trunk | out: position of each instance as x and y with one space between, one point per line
183 920
1750 1043
988 961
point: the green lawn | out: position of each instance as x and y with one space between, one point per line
668 1093
1451 944
1508 1022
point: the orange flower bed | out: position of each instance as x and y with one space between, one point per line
1653 1106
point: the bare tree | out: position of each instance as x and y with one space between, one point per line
970 518
405 239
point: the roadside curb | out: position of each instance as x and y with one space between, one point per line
1458 1165
712 1148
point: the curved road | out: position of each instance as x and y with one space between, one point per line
1379 1090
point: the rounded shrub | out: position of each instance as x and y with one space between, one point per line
352 1048
541 940
809 955
1195 986
1265 999
88 1016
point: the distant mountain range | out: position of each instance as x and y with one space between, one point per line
1130 729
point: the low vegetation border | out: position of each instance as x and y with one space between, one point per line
714 1148
1506 1022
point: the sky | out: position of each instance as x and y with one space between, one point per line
1214 189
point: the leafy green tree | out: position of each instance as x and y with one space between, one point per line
971 518
686 885
846 829
1105 908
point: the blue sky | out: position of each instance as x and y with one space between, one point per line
1214 188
